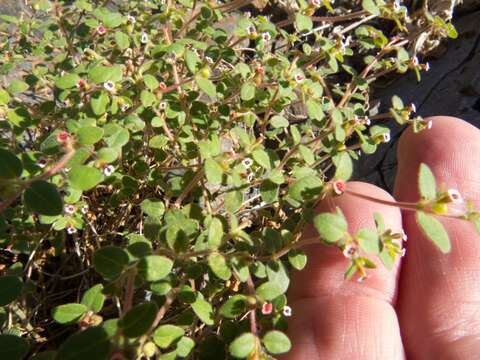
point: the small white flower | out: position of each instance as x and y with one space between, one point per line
209 59
69 209
108 170
84 209
299 78
125 107
427 67
101 30
250 177
396 5
350 251
385 137
144 38
317 3
413 108
339 187
287 311
403 252
429 124
131 19
66 170
247 162
71 230
415 61
404 236
109 85
367 121
251 30
454 196
162 105
266 36
42 162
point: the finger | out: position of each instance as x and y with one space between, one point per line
338 319
439 296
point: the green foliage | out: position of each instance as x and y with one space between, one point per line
160 161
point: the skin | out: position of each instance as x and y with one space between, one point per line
428 307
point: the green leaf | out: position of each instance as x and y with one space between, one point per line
331 227
397 103
192 61
154 267
151 81
110 261
206 86
269 191
11 288
100 74
17 86
234 306
434 230
247 92
153 207
99 103
84 177
4 97
242 346
165 335
344 166
185 346
369 241
278 121
89 135
297 259
314 109
13 347
94 298
138 320
147 98
269 291
67 81
303 23
203 310
371 7
386 257
213 171
69 313
276 342
92 343
427 185
262 158
215 233
43 198
233 201
219 266
10 165
307 154
122 40
305 188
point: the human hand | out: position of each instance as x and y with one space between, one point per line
428 307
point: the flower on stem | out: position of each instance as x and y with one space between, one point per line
63 137
415 61
247 162
84 209
108 170
396 5
454 196
162 105
42 162
209 59
251 30
350 251
385 137
412 108
71 230
316 3
299 78
162 86
266 36
429 124
287 311
267 308
426 67
131 19
339 187
101 30
109 85
81 84
69 209
144 38
125 107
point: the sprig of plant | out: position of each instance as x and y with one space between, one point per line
159 161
